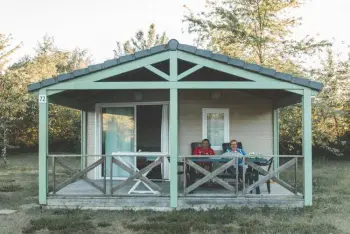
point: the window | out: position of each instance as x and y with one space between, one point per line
216 126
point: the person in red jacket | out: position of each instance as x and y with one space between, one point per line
204 149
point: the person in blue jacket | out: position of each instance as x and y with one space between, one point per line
234 149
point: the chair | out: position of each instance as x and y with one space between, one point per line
251 175
254 176
232 173
191 171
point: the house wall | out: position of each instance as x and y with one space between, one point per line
251 118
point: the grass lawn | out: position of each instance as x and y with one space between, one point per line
329 214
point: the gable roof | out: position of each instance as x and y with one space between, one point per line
173 45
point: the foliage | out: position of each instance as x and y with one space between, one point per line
12 102
261 31
331 114
258 31
331 110
21 108
6 50
140 41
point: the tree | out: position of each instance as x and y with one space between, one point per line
257 31
11 98
21 108
6 50
332 106
140 42
260 31
64 123
331 110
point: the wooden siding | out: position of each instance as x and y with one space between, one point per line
251 118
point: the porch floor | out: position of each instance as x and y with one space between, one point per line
82 188
82 195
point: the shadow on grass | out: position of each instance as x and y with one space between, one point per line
64 221
11 187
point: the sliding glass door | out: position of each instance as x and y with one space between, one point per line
132 128
118 135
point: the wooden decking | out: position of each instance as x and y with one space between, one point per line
82 188
82 195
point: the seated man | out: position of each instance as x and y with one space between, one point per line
204 149
234 149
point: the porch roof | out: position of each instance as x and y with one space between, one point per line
174 45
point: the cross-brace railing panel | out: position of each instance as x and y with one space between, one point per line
140 176
249 173
77 174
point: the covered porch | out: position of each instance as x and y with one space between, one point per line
188 83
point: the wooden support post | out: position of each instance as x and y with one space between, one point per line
104 175
43 146
173 131
276 138
307 147
83 140
54 175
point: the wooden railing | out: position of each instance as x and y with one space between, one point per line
75 174
246 178
244 184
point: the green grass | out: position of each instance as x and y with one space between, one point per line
71 223
329 213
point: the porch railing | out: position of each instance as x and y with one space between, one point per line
285 175
248 177
140 175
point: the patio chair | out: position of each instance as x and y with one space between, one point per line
251 175
192 173
231 173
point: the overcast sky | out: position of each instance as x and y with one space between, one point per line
97 25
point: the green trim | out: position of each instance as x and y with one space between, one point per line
314 93
157 72
307 147
168 85
189 72
173 136
113 71
173 132
276 138
43 149
173 66
228 69
287 101
300 92
83 139
173 46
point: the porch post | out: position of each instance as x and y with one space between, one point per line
276 138
307 147
173 131
83 139
43 147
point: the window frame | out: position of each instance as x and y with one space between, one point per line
226 112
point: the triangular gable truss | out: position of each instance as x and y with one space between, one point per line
256 80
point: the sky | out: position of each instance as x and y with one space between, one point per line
97 25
